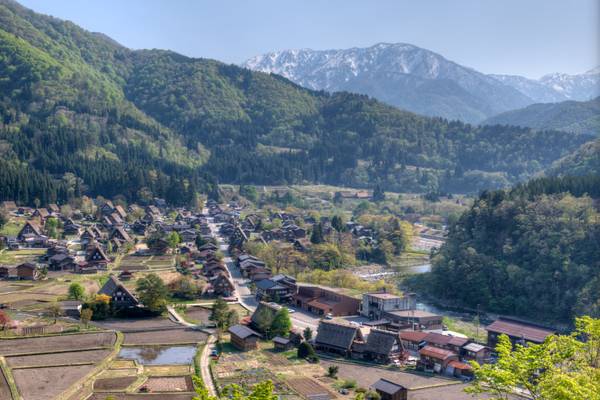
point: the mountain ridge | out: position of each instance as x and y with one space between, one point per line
569 116
83 114
417 80
394 73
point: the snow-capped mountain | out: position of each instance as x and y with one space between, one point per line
557 87
400 74
534 89
575 87
422 81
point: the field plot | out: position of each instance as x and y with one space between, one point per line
63 343
309 388
248 368
118 384
9 287
168 370
141 396
165 337
159 384
134 263
73 357
4 388
47 383
20 256
140 324
247 378
198 315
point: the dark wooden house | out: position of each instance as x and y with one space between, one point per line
97 257
243 337
389 390
30 228
28 271
382 346
337 337
282 343
120 296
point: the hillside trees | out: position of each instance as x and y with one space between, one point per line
531 251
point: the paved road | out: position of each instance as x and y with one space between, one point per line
300 319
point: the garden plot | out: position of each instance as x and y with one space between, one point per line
134 263
198 315
116 384
141 396
309 388
247 378
168 370
158 262
4 388
48 382
63 343
132 267
159 384
165 337
139 324
7 287
54 359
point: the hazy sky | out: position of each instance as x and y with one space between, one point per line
526 37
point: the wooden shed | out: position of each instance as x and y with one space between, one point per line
243 337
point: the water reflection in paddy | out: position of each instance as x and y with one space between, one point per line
159 355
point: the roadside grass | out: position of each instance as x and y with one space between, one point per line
198 360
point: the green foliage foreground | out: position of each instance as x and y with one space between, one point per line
260 391
561 368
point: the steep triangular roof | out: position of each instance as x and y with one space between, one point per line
339 334
112 285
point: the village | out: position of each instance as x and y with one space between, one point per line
81 313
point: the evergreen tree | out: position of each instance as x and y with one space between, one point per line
337 223
378 193
316 236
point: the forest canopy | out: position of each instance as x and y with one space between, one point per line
532 251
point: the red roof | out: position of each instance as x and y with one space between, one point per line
516 329
459 365
413 336
435 352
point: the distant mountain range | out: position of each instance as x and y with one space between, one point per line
422 81
568 116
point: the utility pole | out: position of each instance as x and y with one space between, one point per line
477 325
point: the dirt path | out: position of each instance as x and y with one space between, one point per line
204 357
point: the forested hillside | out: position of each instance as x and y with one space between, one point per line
80 113
568 116
584 161
531 251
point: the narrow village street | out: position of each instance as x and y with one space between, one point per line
300 318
